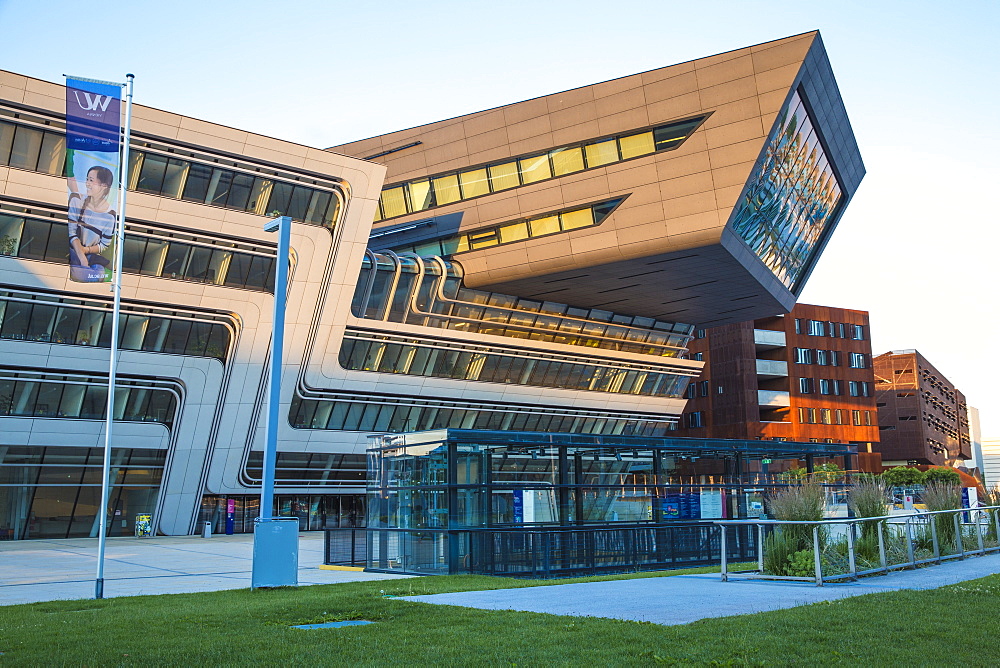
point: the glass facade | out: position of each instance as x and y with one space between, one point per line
327 511
425 193
438 358
49 395
304 469
429 292
50 319
235 186
42 239
791 197
54 492
539 226
382 413
425 489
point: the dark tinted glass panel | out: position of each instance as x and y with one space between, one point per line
34 238
199 178
197 268
177 254
176 339
239 193
15 320
281 194
299 203
154 167
317 207
198 339
134 249
218 189
42 317
67 325
261 274
239 269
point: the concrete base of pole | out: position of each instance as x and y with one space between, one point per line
99 588
275 552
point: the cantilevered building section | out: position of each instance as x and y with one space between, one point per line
539 267
702 193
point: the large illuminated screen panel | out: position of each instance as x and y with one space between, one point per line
791 198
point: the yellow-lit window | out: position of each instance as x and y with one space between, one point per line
636 145
602 153
420 195
483 239
567 160
463 244
514 232
578 218
535 168
504 176
474 183
546 225
446 189
393 202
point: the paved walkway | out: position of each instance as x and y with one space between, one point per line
48 570
681 599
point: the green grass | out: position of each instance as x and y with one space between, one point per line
954 625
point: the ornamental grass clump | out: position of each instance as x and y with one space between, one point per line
868 497
796 503
943 496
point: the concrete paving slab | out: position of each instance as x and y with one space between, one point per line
681 599
48 570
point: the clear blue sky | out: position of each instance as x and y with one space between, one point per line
917 247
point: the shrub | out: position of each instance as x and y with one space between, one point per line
942 474
778 548
797 503
902 476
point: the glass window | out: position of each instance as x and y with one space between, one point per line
53 153
197 266
575 219
601 153
504 176
218 187
154 167
514 232
316 213
197 183
636 145
281 196
177 336
176 261
26 147
237 271
535 168
15 320
134 249
567 160
173 178
806 385
6 141
393 202
474 183
483 239
34 238
240 191
298 204
547 225
446 190
67 325
421 195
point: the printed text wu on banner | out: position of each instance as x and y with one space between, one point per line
93 131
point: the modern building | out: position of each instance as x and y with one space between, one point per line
991 462
806 376
923 418
539 267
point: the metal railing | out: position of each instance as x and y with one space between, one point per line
846 549
554 551
345 547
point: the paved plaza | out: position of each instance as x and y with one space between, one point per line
686 598
48 570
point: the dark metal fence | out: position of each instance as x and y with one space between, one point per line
551 552
345 547
563 552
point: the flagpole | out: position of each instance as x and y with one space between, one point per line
116 288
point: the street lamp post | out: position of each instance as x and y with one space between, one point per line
276 539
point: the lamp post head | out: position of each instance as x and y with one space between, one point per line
275 224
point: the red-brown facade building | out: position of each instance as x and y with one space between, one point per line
806 376
923 419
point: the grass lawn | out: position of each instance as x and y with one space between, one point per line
955 625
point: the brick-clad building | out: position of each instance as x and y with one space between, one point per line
806 376
923 418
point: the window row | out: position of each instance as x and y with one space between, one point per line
832 386
858 418
841 330
38 239
51 323
698 389
328 468
35 398
30 465
517 231
815 356
430 293
419 360
694 419
438 190
44 151
394 417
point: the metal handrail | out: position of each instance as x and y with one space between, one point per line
907 520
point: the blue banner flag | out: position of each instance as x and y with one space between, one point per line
93 139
